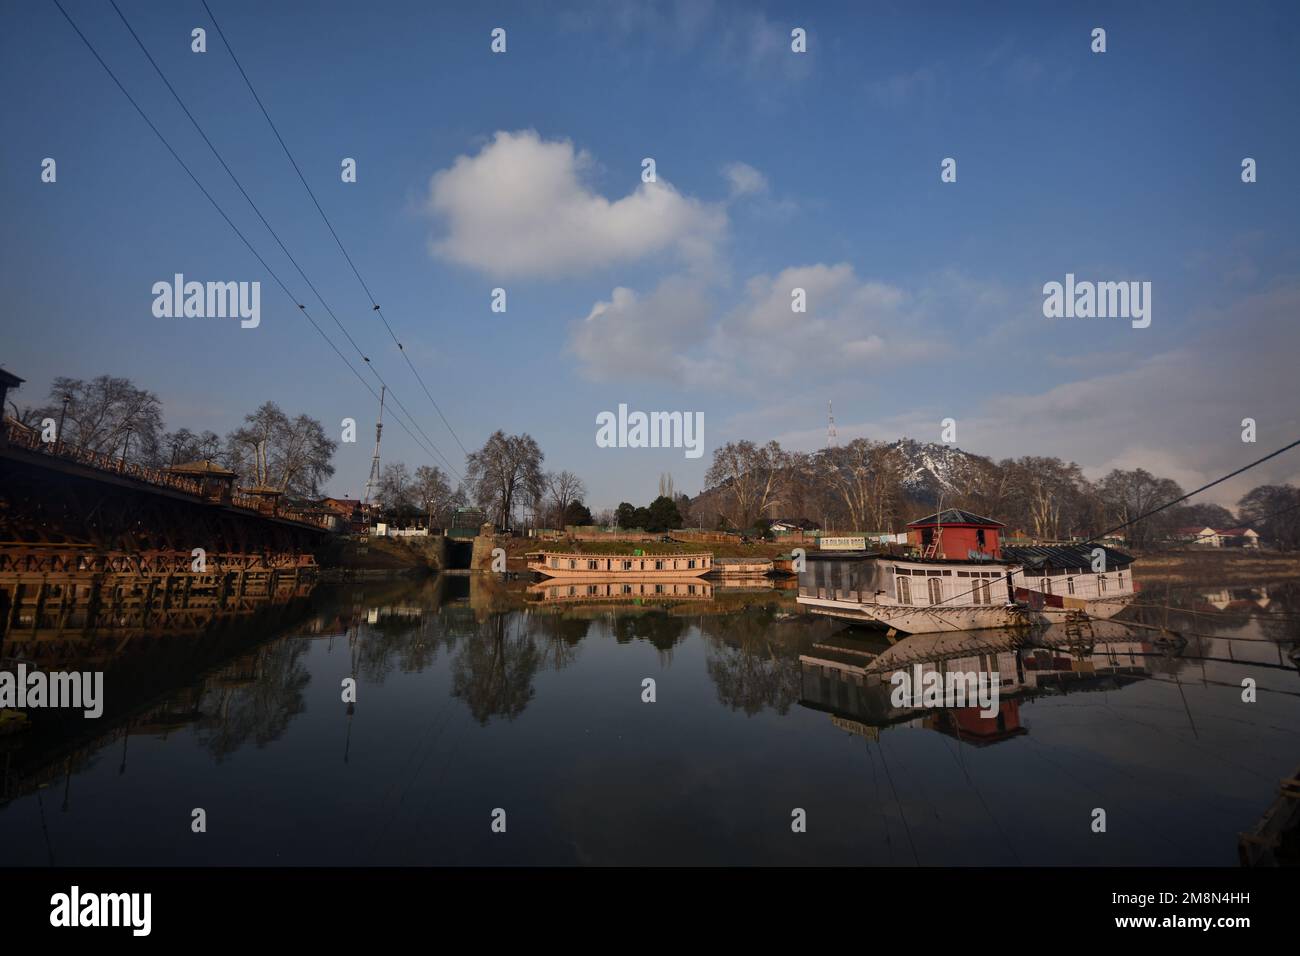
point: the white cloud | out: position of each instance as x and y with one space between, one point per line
744 179
520 208
674 335
848 321
1176 413
644 337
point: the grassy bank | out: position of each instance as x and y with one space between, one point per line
719 549
1228 566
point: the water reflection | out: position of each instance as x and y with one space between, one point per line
507 689
851 678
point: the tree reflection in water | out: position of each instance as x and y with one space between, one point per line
258 707
493 669
753 660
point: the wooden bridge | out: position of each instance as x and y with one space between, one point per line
89 540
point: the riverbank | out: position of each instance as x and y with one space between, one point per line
1217 566
375 558
518 547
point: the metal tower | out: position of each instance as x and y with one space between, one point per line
830 426
372 483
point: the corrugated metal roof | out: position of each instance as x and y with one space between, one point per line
955 516
1063 556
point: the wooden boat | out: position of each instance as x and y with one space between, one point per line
616 566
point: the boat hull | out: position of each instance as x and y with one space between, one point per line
1100 609
912 619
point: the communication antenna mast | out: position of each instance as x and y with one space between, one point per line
372 483
830 425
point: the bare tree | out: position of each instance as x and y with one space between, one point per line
866 475
434 493
564 488
397 492
291 455
507 469
1274 512
101 413
1129 494
183 446
751 475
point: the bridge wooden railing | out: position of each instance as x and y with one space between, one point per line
17 435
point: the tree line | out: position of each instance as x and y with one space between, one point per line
861 486
112 416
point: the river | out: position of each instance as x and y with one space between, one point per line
497 725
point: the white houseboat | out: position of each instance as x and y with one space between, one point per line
963 579
581 591
613 567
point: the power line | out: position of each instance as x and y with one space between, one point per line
1216 481
144 116
374 305
235 179
1147 514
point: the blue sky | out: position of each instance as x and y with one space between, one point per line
523 171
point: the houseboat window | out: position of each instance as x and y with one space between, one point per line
555 562
690 563
982 593
627 589
1047 585
572 590
591 589
627 565
591 565
690 589
1119 578
1069 583
659 589
1101 583
572 564
659 565
964 574
979 538
936 591
903 590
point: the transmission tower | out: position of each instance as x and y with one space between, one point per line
830 426
372 483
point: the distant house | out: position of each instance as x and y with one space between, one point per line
1242 537
347 513
792 525
1207 537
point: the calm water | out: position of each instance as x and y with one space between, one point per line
474 696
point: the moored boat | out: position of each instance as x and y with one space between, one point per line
585 590
618 566
964 580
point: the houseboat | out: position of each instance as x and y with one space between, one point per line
1056 580
582 591
960 578
618 566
